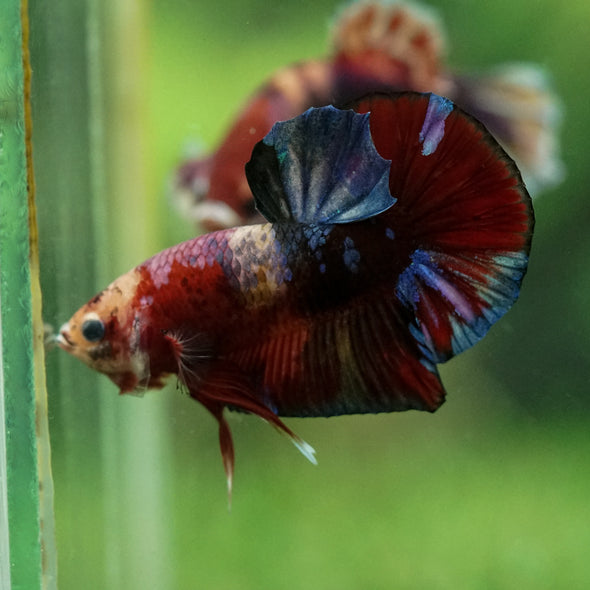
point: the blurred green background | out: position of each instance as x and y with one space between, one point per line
492 491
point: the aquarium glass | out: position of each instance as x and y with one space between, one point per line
490 491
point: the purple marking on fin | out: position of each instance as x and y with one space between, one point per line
424 271
448 291
433 128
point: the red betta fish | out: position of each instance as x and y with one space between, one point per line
398 232
376 46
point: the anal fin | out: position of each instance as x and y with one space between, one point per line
360 360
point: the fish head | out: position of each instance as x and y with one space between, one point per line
105 334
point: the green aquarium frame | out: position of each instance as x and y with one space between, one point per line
27 550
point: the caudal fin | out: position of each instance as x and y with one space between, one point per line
463 211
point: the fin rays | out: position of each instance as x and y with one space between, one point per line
319 168
464 213
362 360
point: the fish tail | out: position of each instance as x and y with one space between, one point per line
463 216
448 232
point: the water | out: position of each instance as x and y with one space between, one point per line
458 498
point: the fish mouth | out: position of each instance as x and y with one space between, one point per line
63 338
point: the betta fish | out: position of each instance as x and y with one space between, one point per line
397 232
377 46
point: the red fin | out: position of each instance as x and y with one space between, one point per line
192 353
463 211
225 442
227 453
465 195
363 360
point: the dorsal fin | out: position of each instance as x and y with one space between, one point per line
319 168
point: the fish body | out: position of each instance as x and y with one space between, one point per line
397 234
246 295
376 46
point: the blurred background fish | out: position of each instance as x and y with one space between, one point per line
376 46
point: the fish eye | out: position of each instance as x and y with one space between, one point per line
93 330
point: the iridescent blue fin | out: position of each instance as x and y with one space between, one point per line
320 168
